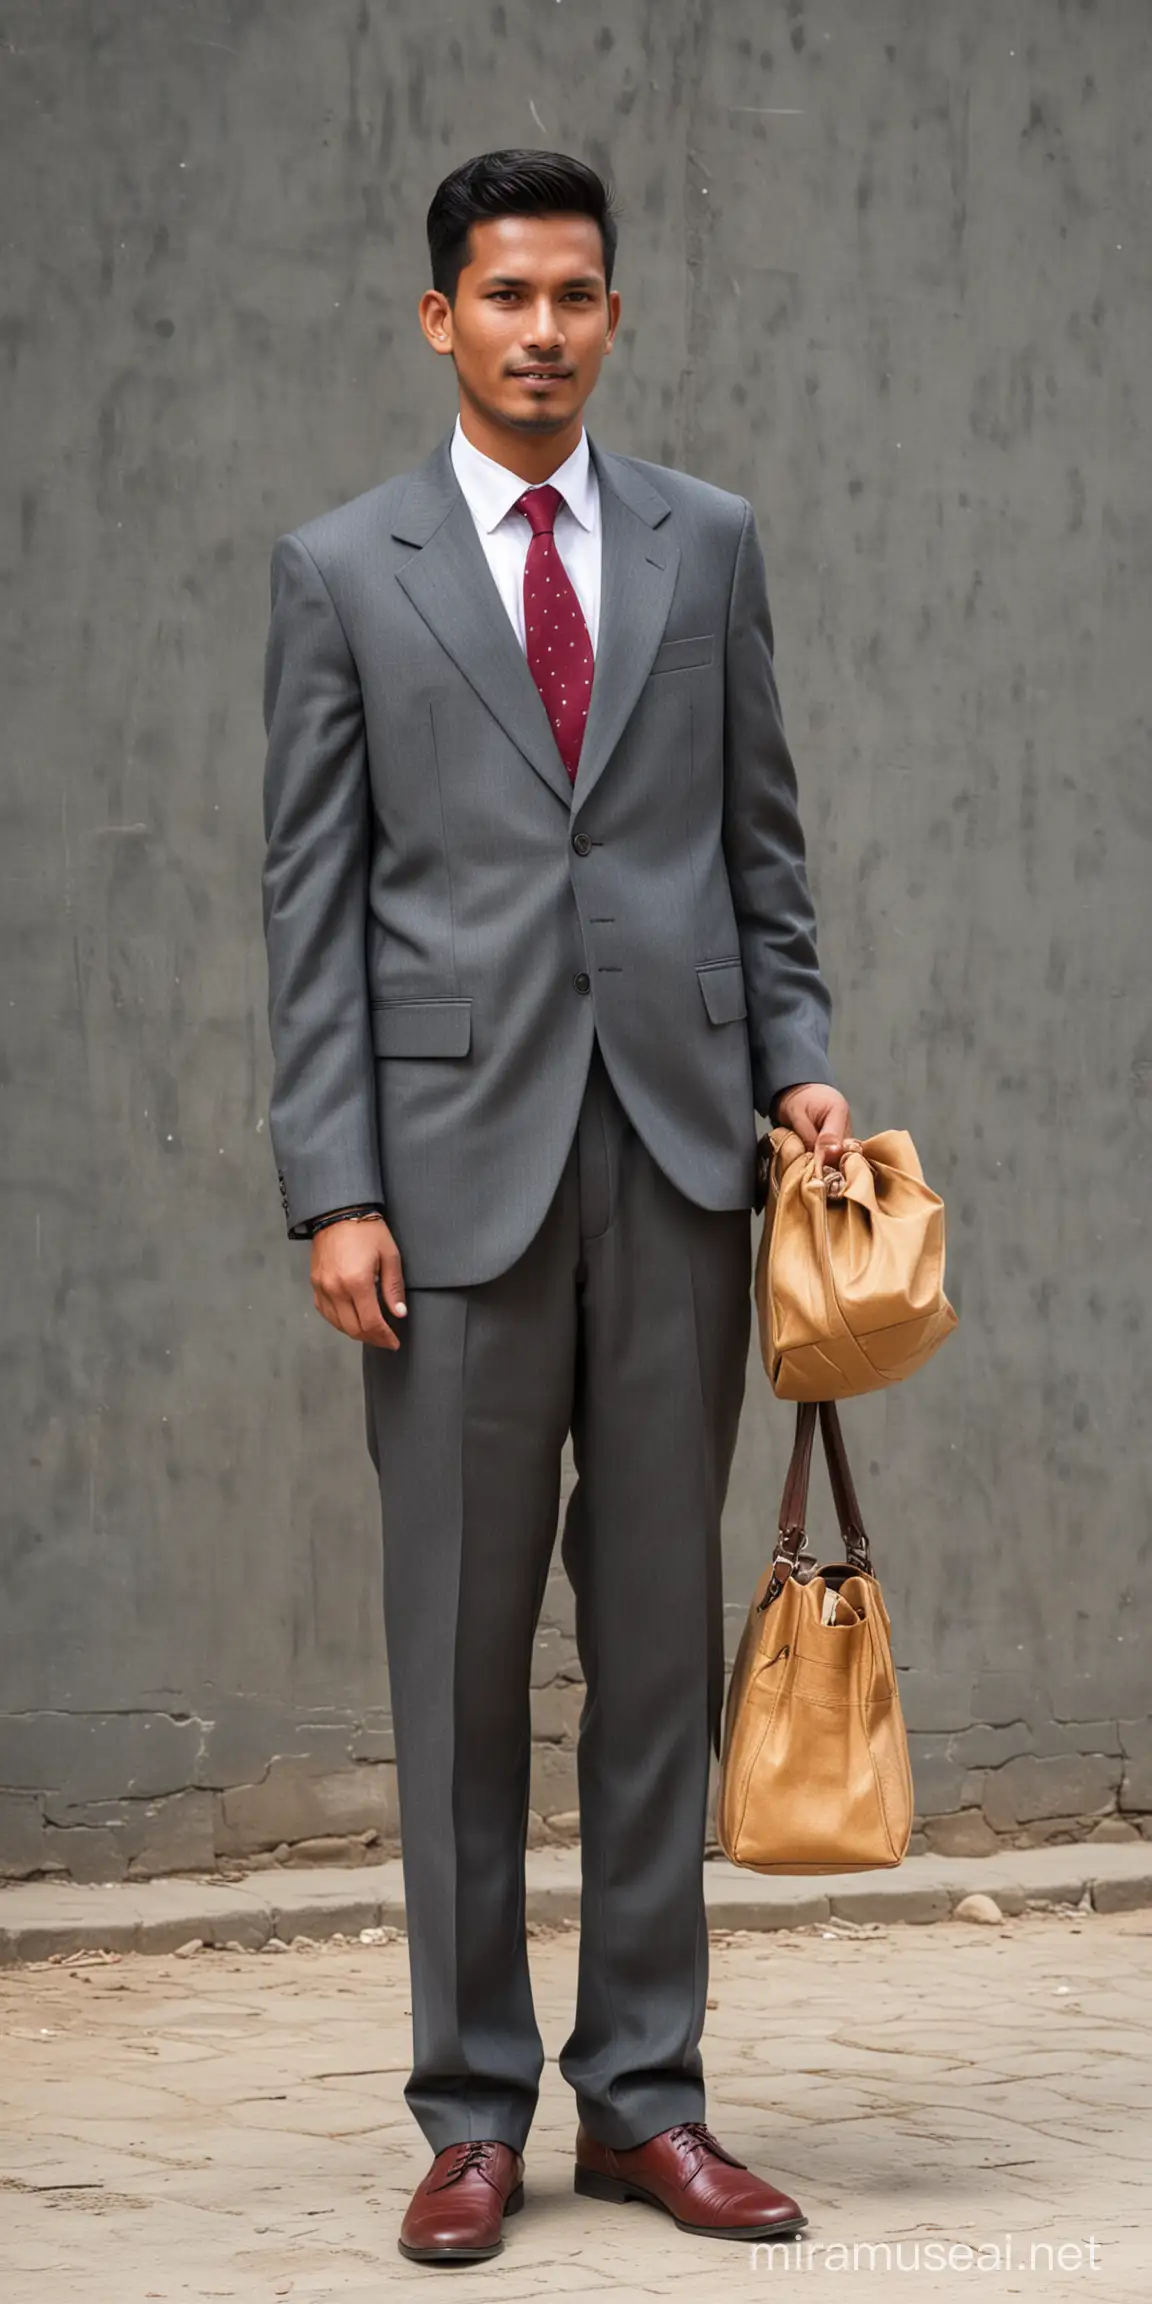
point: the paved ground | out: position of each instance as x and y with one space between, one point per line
232 2125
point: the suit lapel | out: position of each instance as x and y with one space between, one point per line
450 583
637 580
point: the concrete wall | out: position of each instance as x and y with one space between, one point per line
885 269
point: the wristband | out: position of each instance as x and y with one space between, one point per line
345 1216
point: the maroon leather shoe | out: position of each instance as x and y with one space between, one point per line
455 2213
700 2185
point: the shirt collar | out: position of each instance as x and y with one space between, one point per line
492 490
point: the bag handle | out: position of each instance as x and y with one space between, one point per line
792 1556
794 1502
844 1495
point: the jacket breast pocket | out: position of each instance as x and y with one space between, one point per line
422 1027
679 655
722 985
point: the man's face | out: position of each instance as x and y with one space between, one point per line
532 296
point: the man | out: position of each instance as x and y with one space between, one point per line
541 946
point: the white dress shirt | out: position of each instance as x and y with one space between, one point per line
491 491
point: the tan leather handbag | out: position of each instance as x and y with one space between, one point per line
814 1771
849 1277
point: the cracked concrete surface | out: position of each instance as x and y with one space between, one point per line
232 2125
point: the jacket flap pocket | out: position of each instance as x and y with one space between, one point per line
422 1028
722 984
677 655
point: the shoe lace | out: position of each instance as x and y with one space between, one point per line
695 2132
471 2155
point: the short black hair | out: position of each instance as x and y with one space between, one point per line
514 183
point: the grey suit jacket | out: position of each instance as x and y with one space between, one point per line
449 921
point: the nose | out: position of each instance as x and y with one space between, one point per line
547 336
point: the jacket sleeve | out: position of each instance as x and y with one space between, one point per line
317 830
789 1005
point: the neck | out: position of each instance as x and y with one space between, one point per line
531 455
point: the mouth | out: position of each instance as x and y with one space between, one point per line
541 376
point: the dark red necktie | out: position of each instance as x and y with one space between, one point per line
558 646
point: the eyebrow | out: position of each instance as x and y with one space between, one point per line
512 280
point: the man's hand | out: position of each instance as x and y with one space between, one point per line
356 1271
819 1115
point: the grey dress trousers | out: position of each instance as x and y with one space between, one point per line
625 1322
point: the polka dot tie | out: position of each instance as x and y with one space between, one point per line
559 649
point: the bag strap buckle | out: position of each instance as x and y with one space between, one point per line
791 1557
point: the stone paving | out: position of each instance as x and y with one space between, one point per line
231 2125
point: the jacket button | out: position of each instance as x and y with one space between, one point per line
581 843
582 982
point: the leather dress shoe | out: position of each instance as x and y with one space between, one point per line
456 2212
686 2172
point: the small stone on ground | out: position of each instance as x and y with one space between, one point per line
984 1910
